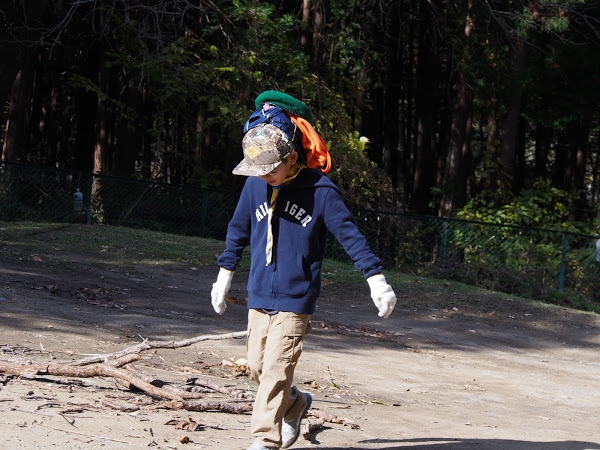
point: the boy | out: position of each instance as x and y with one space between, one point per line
284 212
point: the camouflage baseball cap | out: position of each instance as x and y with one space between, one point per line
265 147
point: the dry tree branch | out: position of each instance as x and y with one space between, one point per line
148 345
111 365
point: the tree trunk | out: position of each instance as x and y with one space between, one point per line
520 162
359 102
393 91
16 138
542 148
148 141
459 158
509 126
563 167
579 134
408 109
18 38
304 36
85 103
100 131
427 82
490 158
129 134
318 13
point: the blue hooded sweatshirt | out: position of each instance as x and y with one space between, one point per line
305 209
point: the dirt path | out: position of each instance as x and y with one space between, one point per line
442 373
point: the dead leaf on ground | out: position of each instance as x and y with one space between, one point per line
312 384
187 425
239 367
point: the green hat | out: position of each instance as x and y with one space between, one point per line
286 102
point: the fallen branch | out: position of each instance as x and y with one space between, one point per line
231 407
122 408
148 345
209 386
180 393
111 365
106 438
63 369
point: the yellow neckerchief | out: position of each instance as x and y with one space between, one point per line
292 174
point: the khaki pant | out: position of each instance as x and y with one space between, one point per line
274 345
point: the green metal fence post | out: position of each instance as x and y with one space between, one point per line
563 263
88 203
444 239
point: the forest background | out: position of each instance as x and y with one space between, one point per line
482 110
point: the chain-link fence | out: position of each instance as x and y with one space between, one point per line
49 195
530 262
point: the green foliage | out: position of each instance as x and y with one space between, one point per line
353 63
527 251
261 54
549 17
199 67
541 206
365 184
572 299
263 50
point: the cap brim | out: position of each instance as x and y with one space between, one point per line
243 168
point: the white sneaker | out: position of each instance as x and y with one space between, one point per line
290 429
257 446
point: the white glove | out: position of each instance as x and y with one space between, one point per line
220 289
382 294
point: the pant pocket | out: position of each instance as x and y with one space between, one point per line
294 329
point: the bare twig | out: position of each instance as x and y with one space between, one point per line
147 345
111 365
106 438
